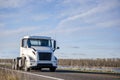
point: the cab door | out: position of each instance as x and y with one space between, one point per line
24 47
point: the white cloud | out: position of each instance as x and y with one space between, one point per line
100 8
12 3
18 31
78 20
71 8
90 19
75 19
39 17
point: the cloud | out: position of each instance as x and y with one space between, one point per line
83 18
100 8
68 20
93 18
71 8
20 31
12 3
39 17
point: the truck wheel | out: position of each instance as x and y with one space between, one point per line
13 64
16 64
53 69
26 69
40 69
25 66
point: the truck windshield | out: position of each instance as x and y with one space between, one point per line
39 42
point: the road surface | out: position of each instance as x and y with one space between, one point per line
75 75
63 75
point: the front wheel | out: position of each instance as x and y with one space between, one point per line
26 69
25 66
53 69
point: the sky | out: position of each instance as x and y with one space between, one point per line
82 28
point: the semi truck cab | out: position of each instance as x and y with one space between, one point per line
36 52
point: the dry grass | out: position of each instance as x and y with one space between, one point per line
8 75
109 62
16 75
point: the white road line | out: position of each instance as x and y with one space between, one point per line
45 76
49 77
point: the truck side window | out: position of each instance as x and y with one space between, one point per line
29 44
24 43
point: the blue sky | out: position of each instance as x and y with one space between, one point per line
83 28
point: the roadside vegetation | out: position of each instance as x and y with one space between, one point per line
109 62
8 75
13 75
109 65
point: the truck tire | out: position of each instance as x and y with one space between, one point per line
23 62
19 63
16 64
25 66
40 69
26 69
53 69
13 64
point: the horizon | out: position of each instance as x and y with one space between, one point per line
82 28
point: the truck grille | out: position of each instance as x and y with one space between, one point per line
45 56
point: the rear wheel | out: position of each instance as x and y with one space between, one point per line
13 64
16 65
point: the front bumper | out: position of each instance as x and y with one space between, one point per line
43 64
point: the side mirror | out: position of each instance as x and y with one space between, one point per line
54 44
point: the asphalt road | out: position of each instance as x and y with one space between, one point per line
63 75
75 75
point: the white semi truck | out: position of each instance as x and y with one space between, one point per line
36 52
